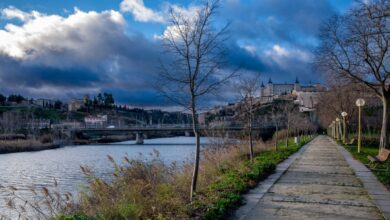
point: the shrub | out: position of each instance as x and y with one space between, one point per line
46 138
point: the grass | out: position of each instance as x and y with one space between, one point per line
382 170
52 114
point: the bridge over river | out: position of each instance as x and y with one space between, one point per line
142 131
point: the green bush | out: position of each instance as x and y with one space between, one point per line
76 217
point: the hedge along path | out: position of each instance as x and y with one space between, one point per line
320 184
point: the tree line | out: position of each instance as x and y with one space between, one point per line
355 50
102 100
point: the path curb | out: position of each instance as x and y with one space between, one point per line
377 191
253 196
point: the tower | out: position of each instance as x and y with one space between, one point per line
262 87
270 87
297 86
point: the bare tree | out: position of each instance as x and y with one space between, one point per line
277 119
299 123
355 47
248 88
289 113
193 69
339 98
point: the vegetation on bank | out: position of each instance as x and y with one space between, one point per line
151 189
22 145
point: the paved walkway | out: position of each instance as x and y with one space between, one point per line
320 184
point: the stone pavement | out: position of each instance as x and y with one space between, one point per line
319 184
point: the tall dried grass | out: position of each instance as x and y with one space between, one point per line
151 189
42 204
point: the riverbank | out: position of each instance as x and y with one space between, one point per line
118 138
19 143
14 146
153 190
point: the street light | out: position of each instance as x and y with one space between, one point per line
333 129
338 136
344 114
360 103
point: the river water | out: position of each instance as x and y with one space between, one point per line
37 169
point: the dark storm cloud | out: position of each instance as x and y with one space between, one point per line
277 20
128 71
87 52
93 53
139 97
15 73
239 57
292 25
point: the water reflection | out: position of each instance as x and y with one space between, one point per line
38 169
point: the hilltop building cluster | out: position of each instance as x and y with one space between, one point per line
306 96
273 91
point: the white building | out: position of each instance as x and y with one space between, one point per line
75 104
307 101
99 121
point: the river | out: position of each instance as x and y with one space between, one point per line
37 169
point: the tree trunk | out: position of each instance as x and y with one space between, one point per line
197 152
276 138
383 141
250 137
288 132
345 131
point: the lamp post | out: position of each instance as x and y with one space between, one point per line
338 136
333 130
360 103
344 114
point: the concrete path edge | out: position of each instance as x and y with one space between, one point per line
377 191
253 196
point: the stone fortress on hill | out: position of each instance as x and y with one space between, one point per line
306 94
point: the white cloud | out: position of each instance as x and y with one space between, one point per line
140 11
170 32
282 56
143 14
189 12
173 31
250 49
39 34
279 51
12 12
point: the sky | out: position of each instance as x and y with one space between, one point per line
67 49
